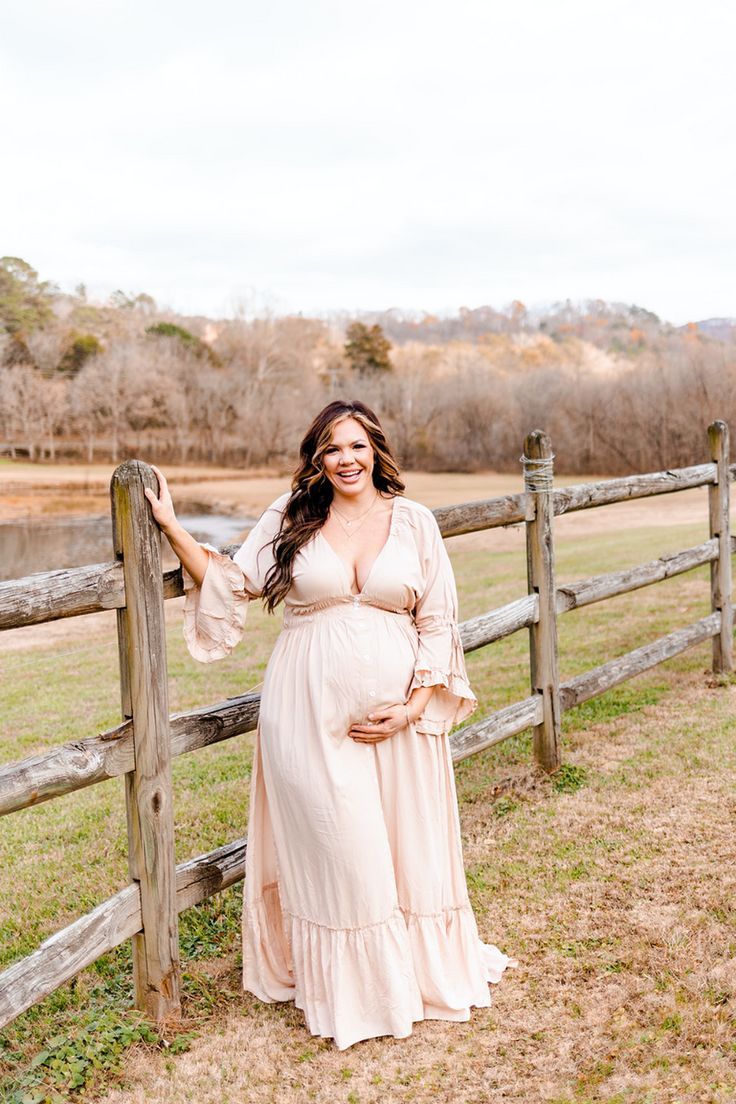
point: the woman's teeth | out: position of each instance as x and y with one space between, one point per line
349 477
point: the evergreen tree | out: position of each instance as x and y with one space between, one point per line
25 301
367 349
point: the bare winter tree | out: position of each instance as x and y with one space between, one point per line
47 347
22 392
102 394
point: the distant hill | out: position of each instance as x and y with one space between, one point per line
721 329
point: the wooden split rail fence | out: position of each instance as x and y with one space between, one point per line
141 748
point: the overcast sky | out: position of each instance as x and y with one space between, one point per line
311 155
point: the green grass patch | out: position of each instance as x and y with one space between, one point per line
617 702
568 778
66 1064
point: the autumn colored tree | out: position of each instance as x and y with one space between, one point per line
367 349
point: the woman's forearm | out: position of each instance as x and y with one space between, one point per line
418 699
193 556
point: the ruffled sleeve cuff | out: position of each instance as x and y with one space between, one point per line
214 614
453 700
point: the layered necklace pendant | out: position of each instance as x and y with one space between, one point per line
345 523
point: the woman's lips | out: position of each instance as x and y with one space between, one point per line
350 477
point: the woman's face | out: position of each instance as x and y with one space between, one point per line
348 459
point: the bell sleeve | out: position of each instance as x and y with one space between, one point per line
215 613
440 661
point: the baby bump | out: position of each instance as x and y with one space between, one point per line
373 653
334 670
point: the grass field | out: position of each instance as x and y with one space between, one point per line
613 882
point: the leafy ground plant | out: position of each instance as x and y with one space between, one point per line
65 1065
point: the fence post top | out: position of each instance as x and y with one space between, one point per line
133 471
717 428
537 443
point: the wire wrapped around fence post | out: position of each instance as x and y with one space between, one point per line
538 461
538 472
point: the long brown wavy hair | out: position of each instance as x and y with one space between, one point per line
311 491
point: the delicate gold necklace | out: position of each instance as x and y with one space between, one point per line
351 521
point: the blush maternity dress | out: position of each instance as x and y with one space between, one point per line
355 900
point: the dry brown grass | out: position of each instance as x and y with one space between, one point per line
620 901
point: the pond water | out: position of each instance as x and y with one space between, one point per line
46 544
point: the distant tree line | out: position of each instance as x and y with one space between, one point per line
617 389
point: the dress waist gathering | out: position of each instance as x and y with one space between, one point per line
339 605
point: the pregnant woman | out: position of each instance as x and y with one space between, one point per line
355 900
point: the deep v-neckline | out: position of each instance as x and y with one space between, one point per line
378 556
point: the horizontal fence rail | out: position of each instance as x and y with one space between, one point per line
596 589
599 679
583 496
81 763
80 944
53 595
84 762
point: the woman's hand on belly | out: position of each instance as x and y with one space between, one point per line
382 724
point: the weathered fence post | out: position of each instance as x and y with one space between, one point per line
540 565
720 527
145 699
